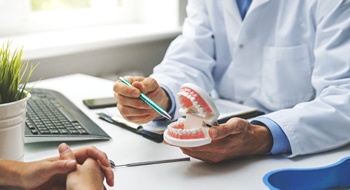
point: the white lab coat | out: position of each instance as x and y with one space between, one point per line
290 59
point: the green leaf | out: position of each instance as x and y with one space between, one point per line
14 74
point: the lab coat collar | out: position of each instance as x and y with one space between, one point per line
233 19
255 4
231 10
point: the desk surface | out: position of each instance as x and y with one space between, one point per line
127 147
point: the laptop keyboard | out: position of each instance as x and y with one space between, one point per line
53 117
45 115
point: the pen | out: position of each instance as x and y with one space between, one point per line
150 162
150 102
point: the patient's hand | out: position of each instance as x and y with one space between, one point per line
87 176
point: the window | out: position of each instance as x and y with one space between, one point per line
28 16
57 27
49 5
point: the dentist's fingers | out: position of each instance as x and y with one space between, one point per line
233 126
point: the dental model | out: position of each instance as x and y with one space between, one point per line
199 110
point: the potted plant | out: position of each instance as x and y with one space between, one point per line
14 76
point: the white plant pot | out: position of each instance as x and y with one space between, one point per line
12 126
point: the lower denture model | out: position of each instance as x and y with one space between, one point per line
200 111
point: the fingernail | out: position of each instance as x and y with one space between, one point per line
214 132
63 147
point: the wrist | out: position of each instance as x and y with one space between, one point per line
171 107
280 142
265 139
10 173
166 100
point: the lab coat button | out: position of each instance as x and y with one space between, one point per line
241 46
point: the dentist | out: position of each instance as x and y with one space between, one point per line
287 58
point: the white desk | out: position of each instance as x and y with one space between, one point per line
126 147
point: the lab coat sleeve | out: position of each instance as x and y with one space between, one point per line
190 57
324 123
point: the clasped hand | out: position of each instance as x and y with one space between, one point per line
83 168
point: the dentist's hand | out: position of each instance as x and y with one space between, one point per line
233 139
131 107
